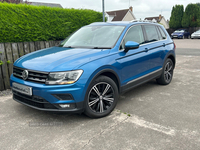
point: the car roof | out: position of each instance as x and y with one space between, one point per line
120 23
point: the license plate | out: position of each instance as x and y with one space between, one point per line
22 88
175 36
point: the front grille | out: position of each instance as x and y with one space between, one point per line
35 101
33 76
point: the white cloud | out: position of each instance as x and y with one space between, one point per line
142 8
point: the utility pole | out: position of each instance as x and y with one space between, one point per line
103 10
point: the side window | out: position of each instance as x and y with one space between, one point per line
151 32
162 33
135 34
159 34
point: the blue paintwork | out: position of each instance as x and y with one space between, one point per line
127 66
131 45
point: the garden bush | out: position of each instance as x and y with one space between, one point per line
23 22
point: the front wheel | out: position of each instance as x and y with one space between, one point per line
167 72
101 97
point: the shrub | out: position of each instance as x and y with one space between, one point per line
22 22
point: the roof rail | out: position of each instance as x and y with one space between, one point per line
152 21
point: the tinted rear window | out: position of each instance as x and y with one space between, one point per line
152 34
162 33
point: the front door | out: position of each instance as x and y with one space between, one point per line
134 63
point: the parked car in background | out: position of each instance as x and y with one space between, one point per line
90 68
196 35
180 34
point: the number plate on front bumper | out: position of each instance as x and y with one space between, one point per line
22 88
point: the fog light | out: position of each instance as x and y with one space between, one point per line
64 105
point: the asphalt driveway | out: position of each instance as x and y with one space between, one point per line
150 117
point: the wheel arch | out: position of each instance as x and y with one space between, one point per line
111 74
172 57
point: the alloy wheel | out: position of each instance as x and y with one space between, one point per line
101 97
168 71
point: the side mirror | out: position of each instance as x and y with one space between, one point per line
131 45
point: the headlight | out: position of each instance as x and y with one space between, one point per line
68 77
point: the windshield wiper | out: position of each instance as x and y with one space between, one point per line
101 47
68 46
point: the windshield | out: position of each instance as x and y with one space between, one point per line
179 31
94 37
198 31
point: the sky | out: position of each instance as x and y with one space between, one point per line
141 8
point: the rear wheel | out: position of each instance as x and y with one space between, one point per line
167 73
101 97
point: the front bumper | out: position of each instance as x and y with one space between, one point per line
177 36
195 37
45 97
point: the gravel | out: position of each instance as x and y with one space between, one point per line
6 93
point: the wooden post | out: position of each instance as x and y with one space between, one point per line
37 46
42 46
47 44
9 55
4 67
32 46
26 48
21 49
15 51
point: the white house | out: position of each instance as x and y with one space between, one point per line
160 19
120 15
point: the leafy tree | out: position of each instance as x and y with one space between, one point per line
176 16
191 16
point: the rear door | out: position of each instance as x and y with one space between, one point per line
156 46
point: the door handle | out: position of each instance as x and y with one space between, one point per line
146 49
164 45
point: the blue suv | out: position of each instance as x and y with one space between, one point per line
90 68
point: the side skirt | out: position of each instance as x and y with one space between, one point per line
141 80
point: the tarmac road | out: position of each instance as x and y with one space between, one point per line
151 116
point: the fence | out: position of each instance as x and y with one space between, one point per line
10 52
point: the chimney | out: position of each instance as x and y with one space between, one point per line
160 17
131 8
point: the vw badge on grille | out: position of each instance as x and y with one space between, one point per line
25 74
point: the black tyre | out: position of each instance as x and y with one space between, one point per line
167 73
101 97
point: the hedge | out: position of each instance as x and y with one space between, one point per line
22 22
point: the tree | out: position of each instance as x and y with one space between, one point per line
176 16
191 16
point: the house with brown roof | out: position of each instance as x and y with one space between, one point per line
120 15
160 19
